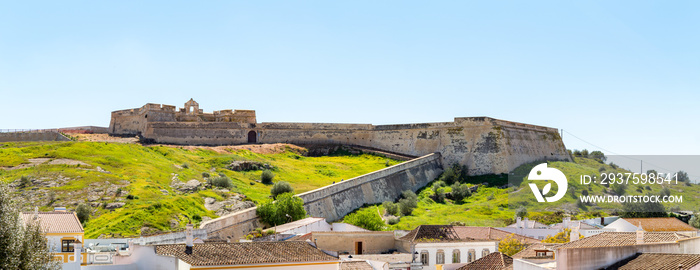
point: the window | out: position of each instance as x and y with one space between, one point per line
541 254
440 257
472 255
455 256
67 245
485 252
424 257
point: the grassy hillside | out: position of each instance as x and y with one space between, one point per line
141 177
494 206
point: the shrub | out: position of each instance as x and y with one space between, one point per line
286 208
521 212
393 221
454 173
266 177
221 181
695 221
130 197
665 192
601 169
619 189
281 187
460 191
206 175
83 213
185 166
119 191
368 219
25 181
391 208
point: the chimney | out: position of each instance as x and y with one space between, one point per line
574 235
640 234
527 224
602 221
188 239
77 247
519 222
566 222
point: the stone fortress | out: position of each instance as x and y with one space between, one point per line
485 145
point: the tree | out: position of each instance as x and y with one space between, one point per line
281 187
510 245
368 219
454 174
695 221
408 202
643 210
460 191
683 176
83 213
391 208
22 245
266 177
561 237
598 155
286 208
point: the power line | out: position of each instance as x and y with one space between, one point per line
606 150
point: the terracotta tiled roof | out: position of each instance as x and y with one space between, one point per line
616 239
209 254
489 233
530 251
670 224
355 265
493 261
433 233
56 222
663 261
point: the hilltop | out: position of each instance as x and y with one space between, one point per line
139 190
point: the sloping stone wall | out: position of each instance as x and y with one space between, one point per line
335 201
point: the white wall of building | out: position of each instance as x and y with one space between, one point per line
318 226
449 247
145 258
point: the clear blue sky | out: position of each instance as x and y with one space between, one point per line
624 75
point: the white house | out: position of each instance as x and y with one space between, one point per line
436 245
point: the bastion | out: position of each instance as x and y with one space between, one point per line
485 145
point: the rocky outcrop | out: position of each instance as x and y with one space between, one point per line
230 205
247 165
189 187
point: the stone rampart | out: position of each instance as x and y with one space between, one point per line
335 201
32 136
485 145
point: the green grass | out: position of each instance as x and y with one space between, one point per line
146 170
492 206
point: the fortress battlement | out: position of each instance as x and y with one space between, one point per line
485 145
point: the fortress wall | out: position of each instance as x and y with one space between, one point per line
199 133
233 226
335 201
127 122
485 145
32 136
314 133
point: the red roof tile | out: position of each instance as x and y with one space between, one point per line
56 222
662 261
616 239
489 233
669 224
209 254
493 261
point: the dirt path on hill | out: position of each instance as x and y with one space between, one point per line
272 148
